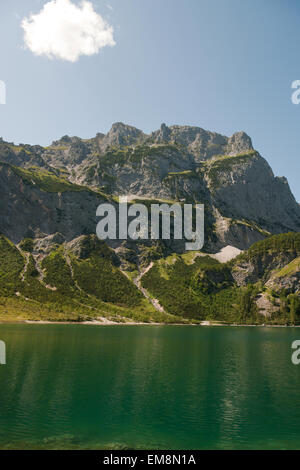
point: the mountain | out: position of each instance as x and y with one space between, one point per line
260 285
48 201
244 201
82 280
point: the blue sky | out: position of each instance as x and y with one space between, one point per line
224 65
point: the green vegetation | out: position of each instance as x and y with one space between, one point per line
19 149
289 308
200 288
294 309
11 266
135 154
79 285
170 283
115 155
276 244
46 180
82 281
152 252
185 173
49 182
247 309
59 148
97 276
90 173
251 225
27 245
290 268
225 163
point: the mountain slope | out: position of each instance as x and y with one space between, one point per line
52 266
244 201
75 281
198 286
81 280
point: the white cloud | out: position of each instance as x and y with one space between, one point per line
66 31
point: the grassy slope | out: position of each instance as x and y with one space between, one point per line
290 269
47 181
222 164
285 242
192 289
71 289
203 289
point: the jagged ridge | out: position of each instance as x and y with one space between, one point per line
244 201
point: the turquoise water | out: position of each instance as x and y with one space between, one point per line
169 387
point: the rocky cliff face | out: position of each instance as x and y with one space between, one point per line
33 208
244 201
52 262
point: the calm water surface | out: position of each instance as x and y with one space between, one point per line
169 387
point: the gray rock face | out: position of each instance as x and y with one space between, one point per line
290 281
261 267
239 143
200 143
122 134
244 201
48 243
245 188
28 211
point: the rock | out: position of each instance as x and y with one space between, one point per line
244 201
27 211
239 143
122 134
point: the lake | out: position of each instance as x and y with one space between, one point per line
149 387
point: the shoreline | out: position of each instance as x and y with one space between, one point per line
112 323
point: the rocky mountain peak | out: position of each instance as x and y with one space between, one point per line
239 143
201 143
123 134
65 140
162 135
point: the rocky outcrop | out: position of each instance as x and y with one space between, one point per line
239 143
287 278
122 134
244 201
244 188
26 210
268 260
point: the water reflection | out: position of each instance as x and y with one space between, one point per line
153 387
